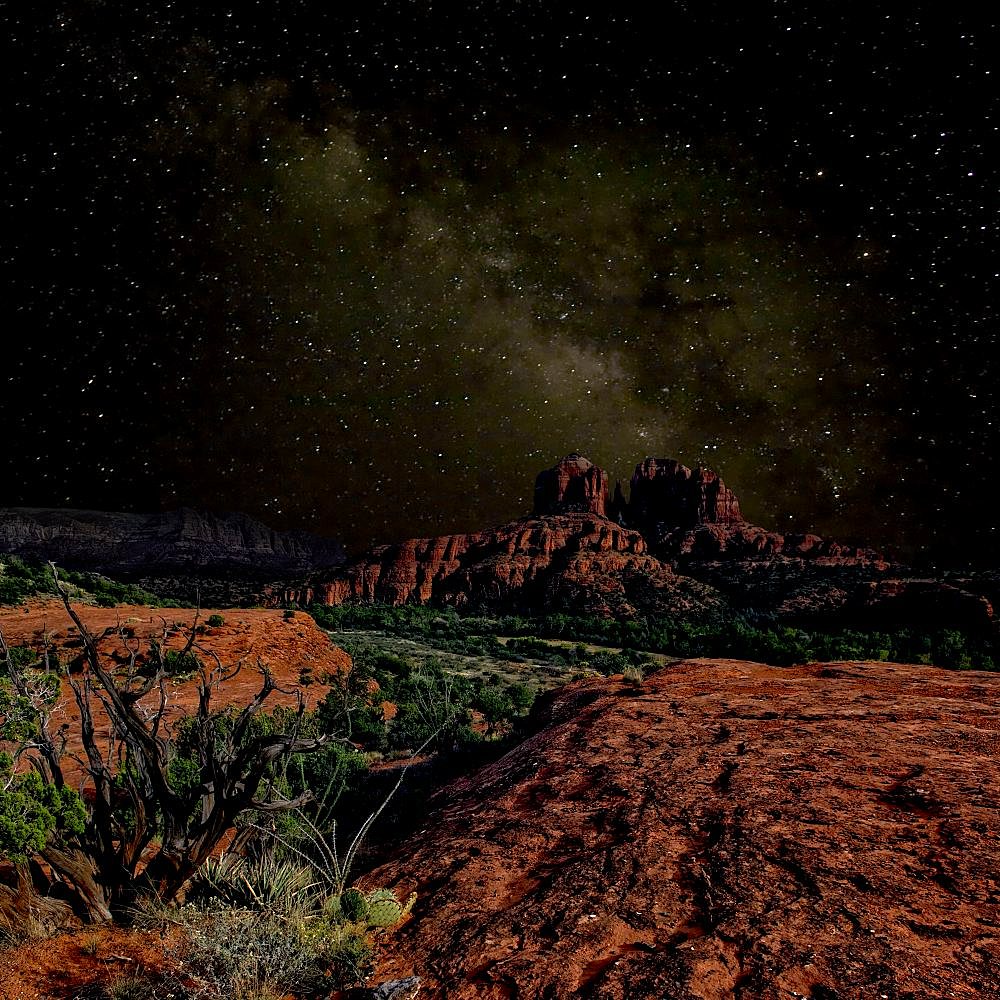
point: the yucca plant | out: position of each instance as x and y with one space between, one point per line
265 883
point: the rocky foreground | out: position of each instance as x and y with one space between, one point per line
724 829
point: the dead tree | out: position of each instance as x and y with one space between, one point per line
144 835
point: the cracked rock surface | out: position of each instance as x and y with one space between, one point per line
724 829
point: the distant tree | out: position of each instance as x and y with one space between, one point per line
495 706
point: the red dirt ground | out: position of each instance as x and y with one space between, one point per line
63 966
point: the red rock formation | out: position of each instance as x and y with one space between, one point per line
667 495
574 485
723 830
678 546
748 541
582 562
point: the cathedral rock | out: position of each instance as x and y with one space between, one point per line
677 545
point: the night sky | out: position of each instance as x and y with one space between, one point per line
364 269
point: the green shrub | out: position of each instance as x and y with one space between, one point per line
265 883
346 950
215 621
180 665
745 635
32 811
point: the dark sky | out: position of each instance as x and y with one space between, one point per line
365 268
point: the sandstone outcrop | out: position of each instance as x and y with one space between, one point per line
572 561
574 485
725 829
666 495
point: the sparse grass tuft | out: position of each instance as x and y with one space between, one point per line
128 986
633 674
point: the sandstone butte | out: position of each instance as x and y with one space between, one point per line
723 830
678 545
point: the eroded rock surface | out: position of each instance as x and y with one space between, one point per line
725 830
580 562
666 495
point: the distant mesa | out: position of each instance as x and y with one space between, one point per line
174 553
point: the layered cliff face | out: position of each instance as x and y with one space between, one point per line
572 561
666 496
185 540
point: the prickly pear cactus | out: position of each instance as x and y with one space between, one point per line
354 905
384 910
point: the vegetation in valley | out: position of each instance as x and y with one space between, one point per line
736 636
21 579
292 794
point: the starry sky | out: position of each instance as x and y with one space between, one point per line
364 269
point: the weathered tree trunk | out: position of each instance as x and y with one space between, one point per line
164 875
79 870
134 796
25 911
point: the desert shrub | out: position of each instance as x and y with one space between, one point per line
633 674
215 621
31 811
20 579
345 949
181 665
368 727
495 705
279 941
127 986
238 952
522 697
